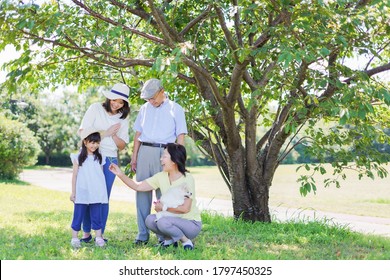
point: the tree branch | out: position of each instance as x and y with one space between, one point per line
265 36
122 62
114 23
140 12
237 23
195 21
371 72
170 35
331 88
228 35
361 3
216 152
207 76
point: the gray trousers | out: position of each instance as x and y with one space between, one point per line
173 227
148 164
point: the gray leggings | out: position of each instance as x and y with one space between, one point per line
173 227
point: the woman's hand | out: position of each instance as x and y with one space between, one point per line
115 169
72 197
112 130
181 209
158 206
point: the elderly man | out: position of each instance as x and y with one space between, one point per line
160 121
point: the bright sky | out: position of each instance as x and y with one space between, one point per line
8 54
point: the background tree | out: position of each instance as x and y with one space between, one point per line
228 63
53 117
18 147
57 121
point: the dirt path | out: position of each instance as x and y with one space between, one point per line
60 179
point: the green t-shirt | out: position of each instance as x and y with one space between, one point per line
161 181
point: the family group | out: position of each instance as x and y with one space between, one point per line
158 160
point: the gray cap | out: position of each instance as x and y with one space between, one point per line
150 88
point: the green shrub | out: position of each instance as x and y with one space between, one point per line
18 148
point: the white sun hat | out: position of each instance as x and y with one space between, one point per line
118 91
85 132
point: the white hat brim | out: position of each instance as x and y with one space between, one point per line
84 132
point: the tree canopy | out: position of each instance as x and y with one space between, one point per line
235 66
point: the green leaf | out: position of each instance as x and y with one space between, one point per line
285 57
344 117
324 52
362 114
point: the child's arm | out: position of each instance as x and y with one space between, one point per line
74 177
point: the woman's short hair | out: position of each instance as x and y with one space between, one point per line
178 155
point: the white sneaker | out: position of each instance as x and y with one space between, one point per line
75 242
100 242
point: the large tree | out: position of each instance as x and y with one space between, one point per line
236 66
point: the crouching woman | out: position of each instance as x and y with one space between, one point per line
170 229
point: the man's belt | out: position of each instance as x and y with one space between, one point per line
157 145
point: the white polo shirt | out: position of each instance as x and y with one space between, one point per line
160 124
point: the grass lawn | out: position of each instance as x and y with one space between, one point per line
35 225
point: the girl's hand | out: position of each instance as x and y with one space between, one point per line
72 197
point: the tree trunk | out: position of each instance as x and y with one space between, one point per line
250 197
250 189
249 209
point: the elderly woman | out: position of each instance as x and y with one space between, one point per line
185 226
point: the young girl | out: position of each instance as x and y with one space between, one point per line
88 185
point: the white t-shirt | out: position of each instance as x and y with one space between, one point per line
98 117
90 181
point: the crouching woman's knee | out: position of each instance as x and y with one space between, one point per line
150 221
